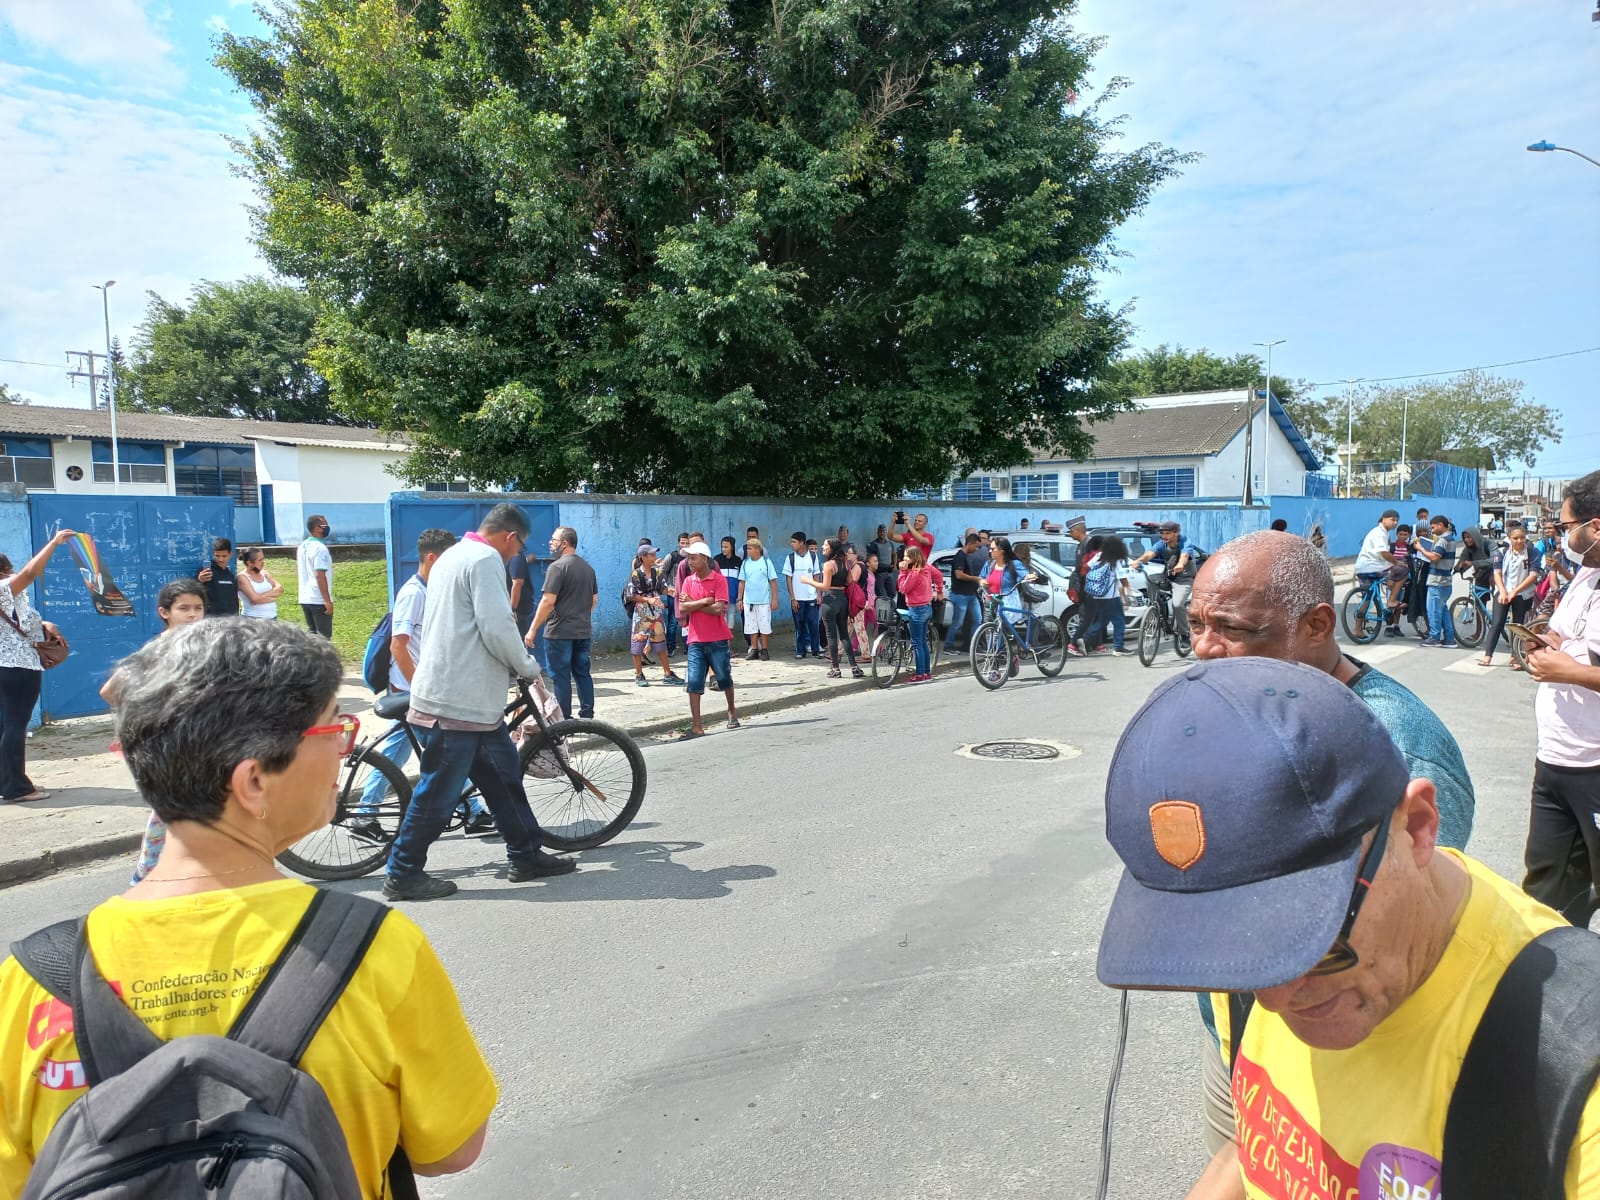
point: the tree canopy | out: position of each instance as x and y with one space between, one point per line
713 247
1470 420
236 350
1164 371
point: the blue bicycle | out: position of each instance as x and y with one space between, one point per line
998 647
1365 611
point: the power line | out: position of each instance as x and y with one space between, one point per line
22 362
1516 362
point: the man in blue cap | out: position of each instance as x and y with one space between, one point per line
1276 843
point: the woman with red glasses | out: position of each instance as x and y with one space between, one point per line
232 732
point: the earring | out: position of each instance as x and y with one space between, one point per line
263 814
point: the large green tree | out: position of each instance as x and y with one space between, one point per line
831 247
235 350
1472 420
1164 371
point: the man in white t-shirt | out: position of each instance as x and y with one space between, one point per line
1377 552
315 567
1563 852
798 566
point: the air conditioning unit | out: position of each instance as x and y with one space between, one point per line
1128 479
1000 483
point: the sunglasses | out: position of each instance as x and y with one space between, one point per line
1343 955
345 725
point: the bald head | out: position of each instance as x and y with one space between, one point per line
1268 594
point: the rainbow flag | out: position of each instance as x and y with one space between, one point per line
103 591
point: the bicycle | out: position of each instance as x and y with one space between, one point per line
1366 610
997 648
1470 614
893 652
1164 618
585 781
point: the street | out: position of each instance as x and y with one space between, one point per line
836 957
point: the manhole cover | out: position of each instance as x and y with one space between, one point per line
1016 751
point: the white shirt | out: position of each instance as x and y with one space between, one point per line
311 557
1373 547
406 621
265 611
1568 715
796 565
16 649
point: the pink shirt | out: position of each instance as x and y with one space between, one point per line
1568 714
705 625
917 586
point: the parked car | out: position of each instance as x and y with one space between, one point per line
1053 575
1061 550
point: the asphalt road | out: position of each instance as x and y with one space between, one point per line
836 957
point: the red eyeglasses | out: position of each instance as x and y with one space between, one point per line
344 724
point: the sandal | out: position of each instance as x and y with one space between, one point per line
733 722
833 672
36 794
857 673
688 735
1486 661
1515 665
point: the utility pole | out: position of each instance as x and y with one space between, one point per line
94 377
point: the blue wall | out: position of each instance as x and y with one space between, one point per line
355 522
1345 522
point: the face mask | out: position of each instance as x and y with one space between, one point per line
1574 556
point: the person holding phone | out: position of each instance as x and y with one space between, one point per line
1563 851
916 534
216 576
1515 577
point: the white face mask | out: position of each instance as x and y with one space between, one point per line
1572 555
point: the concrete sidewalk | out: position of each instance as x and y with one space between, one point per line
95 812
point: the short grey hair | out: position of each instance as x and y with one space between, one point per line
195 703
568 535
506 518
1297 578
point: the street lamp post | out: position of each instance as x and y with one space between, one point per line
1266 425
1349 437
111 383
1547 147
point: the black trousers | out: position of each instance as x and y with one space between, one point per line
318 619
19 692
1563 852
1517 611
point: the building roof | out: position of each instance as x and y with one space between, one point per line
1199 423
38 420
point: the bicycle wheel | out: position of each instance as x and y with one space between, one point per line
1049 646
1182 639
1150 636
990 655
338 850
581 813
1470 620
889 657
1361 624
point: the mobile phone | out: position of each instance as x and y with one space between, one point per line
1533 635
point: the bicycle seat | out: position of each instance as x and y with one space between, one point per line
392 706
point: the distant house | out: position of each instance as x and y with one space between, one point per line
277 473
1169 448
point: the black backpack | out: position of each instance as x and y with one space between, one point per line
206 1115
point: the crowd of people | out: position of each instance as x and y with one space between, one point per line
1344 947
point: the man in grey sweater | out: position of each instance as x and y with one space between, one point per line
458 696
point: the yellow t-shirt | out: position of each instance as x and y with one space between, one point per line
395 1056
1369 1122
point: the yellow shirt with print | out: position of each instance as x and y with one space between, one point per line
395 1056
1329 1124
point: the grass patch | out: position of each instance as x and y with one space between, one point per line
360 598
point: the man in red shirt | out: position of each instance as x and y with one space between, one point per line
916 534
703 601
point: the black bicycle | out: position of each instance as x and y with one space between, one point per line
585 780
893 653
998 648
1164 619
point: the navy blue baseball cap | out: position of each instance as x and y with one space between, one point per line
1237 799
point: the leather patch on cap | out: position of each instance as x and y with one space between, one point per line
1179 832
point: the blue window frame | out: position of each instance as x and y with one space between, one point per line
27 461
1096 485
973 491
1167 483
147 453
1045 486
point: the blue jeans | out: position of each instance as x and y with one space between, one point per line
919 615
1104 613
449 758
669 620
1440 627
709 657
961 607
807 627
396 747
569 662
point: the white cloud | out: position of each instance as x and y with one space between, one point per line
218 23
107 188
89 33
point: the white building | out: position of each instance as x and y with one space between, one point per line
1170 447
278 473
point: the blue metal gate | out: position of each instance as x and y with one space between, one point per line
144 541
412 512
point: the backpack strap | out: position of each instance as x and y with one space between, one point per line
322 955
1528 1072
47 955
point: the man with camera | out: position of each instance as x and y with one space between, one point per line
916 534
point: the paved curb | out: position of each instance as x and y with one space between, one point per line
48 862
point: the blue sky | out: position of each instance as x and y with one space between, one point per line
1364 191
